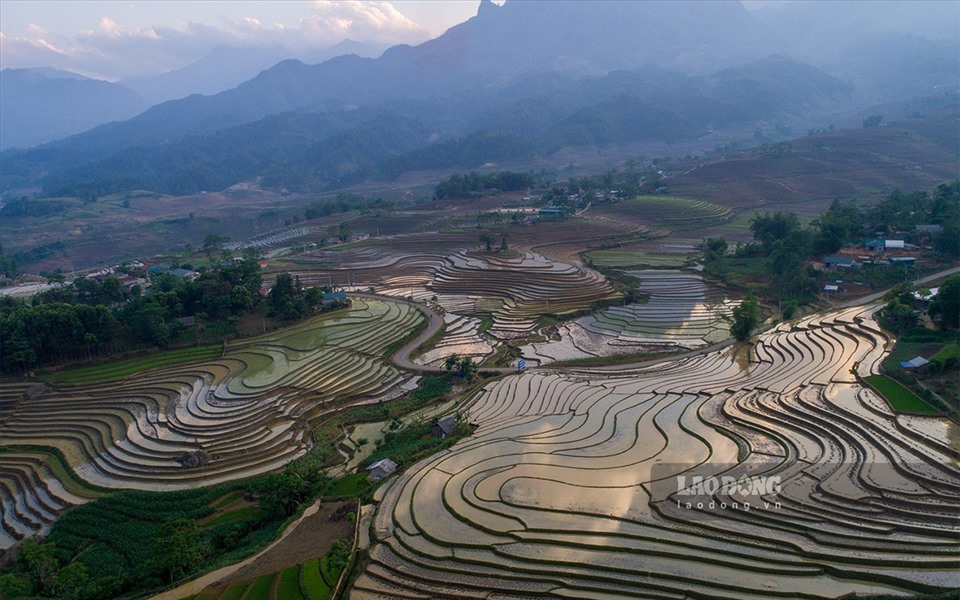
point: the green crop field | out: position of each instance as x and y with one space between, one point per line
677 212
116 370
288 588
313 583
900 397
261 587
637 258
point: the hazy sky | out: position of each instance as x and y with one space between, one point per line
114 39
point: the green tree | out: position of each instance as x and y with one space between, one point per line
212 243
781 226
746 317
40 563
240 299
71 580
487 240
713 248
946 304
179 548
466 368
284 297
451 362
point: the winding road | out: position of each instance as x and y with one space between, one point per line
435 324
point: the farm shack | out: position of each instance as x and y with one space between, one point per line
382 468
839 262
917 364
443 428
903 261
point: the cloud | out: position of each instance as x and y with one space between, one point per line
368 21
113 50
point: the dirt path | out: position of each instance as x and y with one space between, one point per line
309 540
221 576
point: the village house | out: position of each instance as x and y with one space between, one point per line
839 262
444 427
382 468
331 297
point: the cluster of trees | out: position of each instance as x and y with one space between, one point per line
746 317
345 203
785 246
461 366
901 212
25 207
44 574
38 253
899 314
474 184
8 266
96 318
289 301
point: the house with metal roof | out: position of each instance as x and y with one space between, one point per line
918 363
382 468
839 262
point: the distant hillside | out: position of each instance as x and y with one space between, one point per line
332 146
40 105
225 68
514 82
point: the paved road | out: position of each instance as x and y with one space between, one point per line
401 357
880 295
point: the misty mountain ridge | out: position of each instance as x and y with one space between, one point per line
533 75
39 105
226 67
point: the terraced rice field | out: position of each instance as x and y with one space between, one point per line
682 312
634 258
247 412
516 291
570 487
461 337
674 212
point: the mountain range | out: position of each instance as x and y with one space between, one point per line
514 82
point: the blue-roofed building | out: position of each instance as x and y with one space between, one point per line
839 262
331 297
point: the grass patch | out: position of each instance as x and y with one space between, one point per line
947 353
261 587
637 258
235 591
899 397
486 322
233 515
905 350
419 328
119 369
311 581
350 485
289 584
232 497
